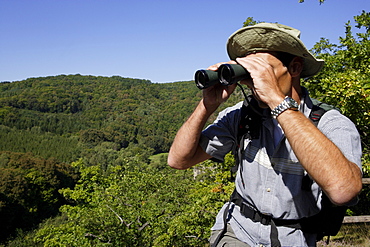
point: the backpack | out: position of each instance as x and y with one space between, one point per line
329 220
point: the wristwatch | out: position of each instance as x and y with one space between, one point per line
288 103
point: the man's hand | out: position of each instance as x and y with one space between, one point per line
214 96
271 80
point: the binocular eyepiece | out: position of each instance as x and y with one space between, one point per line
226 74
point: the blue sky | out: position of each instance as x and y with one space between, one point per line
158 40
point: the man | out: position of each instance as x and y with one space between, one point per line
287 149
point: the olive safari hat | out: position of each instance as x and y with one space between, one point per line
272 37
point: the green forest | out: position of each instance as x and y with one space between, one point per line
83 159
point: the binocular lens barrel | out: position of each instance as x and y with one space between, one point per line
232 73
205 78
226 74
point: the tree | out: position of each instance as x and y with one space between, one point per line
250 22
128 205
344 83
29 190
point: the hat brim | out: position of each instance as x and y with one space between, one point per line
267 38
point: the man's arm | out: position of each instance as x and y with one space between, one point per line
185 150
339 178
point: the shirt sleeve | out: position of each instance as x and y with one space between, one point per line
219 138
343 133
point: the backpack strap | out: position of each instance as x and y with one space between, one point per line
315 115
317 111
249 126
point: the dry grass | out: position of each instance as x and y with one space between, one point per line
350 235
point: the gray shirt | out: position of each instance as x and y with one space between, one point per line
270 177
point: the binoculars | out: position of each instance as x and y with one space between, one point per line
226 74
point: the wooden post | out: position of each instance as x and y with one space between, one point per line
365 180
356 219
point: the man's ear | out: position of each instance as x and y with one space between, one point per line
296 66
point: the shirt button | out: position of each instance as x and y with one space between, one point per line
268 190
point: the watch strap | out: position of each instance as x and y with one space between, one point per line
287 103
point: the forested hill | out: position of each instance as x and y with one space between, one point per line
60 116
93 109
